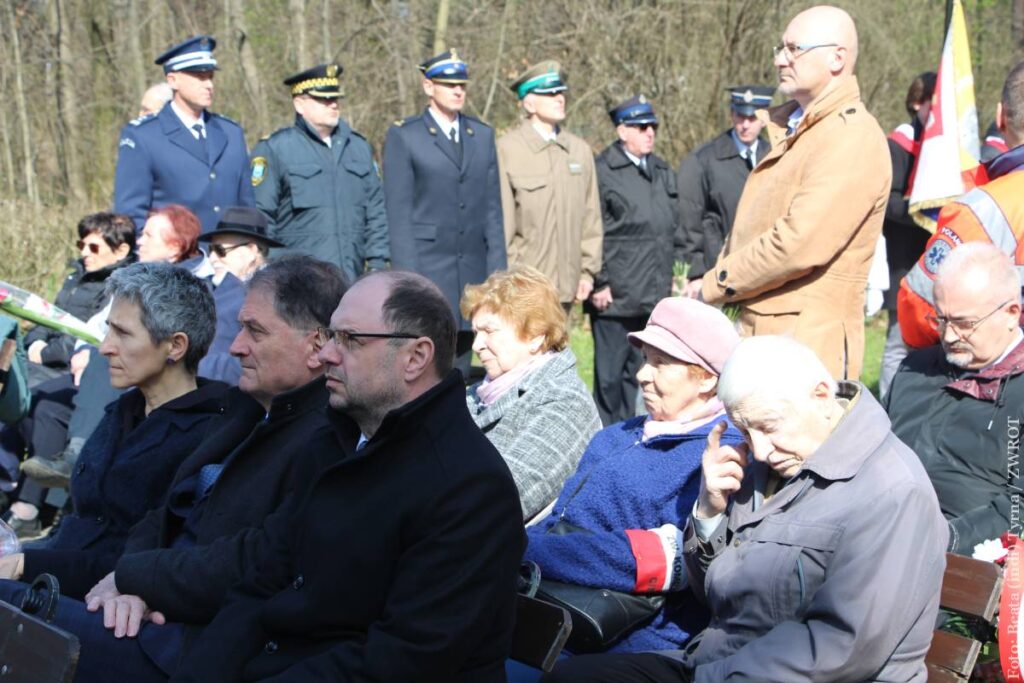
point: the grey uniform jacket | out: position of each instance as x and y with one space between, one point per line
836 577
541 428
323 201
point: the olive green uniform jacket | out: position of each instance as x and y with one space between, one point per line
550 202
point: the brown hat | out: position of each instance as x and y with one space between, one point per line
690 331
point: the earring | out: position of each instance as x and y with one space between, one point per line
170 361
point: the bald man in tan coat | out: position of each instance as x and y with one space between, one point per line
798 255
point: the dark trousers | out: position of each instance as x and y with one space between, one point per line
103 657
43 430
645 667
616 363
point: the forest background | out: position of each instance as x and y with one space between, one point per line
72 73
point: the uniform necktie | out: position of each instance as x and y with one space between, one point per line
200 137
748 157
456 146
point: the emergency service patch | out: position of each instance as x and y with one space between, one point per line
259 170
936 255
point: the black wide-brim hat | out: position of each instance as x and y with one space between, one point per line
242 220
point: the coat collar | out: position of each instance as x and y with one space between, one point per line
174 129
466 138
859 433
987 384
209 396
555 367
776 119
310 396
403 421
535 142
616 158
1007 162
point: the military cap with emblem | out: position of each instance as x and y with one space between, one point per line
446 67
746 99
320 81
195 54
544 78
636 111
242 220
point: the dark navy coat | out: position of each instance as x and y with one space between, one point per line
444 218
122 474
323 201
159 162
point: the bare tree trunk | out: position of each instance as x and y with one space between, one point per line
67 104
250 71
19 99
5 137
297 11
325 28
506 18
441 28
136 62
1017 27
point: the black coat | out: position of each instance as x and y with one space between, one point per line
399 565
640 211
444 218
969 446
81 295
121 475
264 453
711 181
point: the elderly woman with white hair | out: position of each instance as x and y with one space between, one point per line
818 546
161 323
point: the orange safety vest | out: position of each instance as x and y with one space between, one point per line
991 213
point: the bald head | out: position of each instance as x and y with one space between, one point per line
822 45
981 271
154 99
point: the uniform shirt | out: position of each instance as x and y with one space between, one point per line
189 122
445 125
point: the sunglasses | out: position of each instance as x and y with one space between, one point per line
94 247
644 126
221 251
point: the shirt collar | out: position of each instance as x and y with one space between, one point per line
444 124
794 120
185 119
1017 339
635 159
547 137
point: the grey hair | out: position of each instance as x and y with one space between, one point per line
305 290
771 367
171 300
982 267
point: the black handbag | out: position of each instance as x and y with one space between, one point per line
600 616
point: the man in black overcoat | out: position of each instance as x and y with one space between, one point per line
400 562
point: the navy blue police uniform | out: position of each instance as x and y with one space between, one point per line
161 162
443 200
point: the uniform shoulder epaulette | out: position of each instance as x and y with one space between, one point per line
358 134
141 120
276 133
476 121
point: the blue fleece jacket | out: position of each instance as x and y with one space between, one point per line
623 483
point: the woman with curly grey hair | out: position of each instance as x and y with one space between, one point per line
161 323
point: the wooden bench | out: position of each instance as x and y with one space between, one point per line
32 651
970 588
540 632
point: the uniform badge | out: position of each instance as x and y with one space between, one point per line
332 70
575 169
259 170
126 142
936 255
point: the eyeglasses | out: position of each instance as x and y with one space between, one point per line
94 247
345 338
644 126
793 51
963 328
221 251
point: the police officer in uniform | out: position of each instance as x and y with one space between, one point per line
711 179
185 154
442 194
317 183
640 212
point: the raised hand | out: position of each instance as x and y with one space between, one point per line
722 470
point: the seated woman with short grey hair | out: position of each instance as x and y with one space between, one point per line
532 405
161 323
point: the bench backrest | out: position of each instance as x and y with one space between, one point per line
970 588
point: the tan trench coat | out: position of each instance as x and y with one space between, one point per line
552 213
798 255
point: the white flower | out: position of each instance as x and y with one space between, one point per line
991 550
